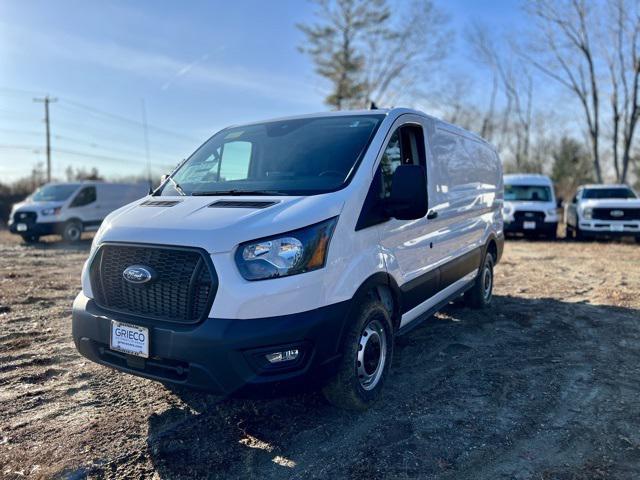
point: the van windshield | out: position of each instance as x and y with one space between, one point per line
602 193
292 157
53 193
527 193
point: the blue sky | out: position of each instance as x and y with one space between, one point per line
199 66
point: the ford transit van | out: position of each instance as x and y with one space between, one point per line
68 209
530 205
289 254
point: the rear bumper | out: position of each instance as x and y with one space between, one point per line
541 227
221 355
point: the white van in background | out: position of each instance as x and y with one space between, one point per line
68 209
288 254
530 205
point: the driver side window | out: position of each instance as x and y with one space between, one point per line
84 197
405 147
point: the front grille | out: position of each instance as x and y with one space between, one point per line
529 216
25 217
606 214
182 289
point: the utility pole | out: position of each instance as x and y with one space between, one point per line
47 100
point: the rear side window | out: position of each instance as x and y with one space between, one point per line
84 197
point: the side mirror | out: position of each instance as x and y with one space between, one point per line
408 199
560 203
163 178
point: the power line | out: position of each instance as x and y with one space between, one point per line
114 116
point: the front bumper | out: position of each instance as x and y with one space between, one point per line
39 229
224 356
541 227
608 228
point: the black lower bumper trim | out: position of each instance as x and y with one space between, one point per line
541 227
39 229
219 355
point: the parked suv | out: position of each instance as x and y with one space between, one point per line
68 209
603 211
288 254
530 205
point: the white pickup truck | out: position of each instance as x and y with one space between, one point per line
603 210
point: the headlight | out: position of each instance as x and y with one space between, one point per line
551 212
51 211
506 210
587 213
287 254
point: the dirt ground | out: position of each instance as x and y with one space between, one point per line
544 385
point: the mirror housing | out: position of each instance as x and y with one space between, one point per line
163 178
408 199
560 203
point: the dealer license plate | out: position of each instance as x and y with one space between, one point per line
21 227
130 339
529 225
617 228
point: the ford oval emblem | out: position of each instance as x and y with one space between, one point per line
617 213
138 274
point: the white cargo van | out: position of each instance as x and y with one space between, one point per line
603 211
288 254
68 209
530 205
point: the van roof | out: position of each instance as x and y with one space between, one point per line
527 179
603 185
96 182
394 112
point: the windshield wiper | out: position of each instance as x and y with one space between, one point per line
176 186
237 193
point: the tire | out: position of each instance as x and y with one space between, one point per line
569 232
481 294
30 238
553 235
72 231
366 357
638 239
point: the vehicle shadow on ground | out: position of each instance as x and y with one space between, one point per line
83 245
530 387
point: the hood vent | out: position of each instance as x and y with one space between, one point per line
160 203
242 204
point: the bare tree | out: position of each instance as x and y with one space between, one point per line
516 83
566 54
369 55
333 44
401 53
624 71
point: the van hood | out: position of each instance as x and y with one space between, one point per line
28 205
195 221
611 203
529 206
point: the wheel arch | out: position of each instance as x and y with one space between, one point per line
383 287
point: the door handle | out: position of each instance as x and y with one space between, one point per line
431 214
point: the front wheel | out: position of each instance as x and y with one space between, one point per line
366 358
30 238
480 295
72 231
